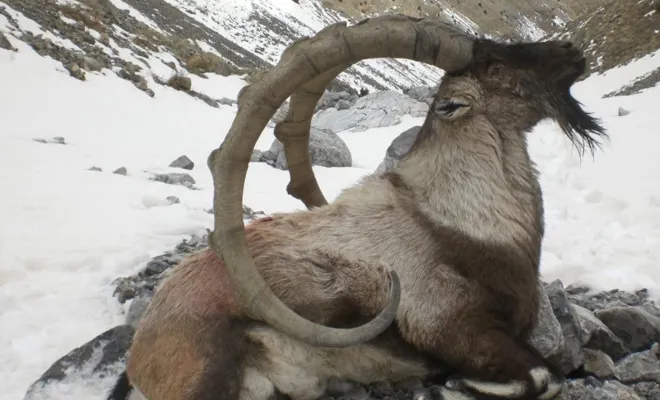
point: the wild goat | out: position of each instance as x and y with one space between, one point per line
442 253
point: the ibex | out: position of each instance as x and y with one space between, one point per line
434 264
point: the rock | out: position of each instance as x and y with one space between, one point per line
180 82
343 104
421 93
120 171
95 356
636 328
142 84
227 102
378 109
256 156
90 64
173 199
176 178
340 100
598 364
93 168
647 390
610 390
573 356
623 112
75 70
137 309
398 149
547 335
597 336
325 149
183 162
5 43
54 140
643 366
158 265
583 296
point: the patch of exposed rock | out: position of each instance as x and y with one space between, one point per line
378 109
615 33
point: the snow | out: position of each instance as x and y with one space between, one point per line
67 232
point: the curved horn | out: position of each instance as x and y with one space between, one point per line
306 67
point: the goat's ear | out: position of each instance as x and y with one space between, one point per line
449 109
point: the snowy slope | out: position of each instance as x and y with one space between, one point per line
67 232
265 27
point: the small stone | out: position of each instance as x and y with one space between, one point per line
343 104
227 102
637 367
5 43
256 156
75 71
120 171
623 112
182 162
176 178
598 364
93 168
142 84
58 140
40 140
91 64
173 199
157 266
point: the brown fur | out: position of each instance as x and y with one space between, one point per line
460 220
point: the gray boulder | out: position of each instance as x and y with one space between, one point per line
183 162
398 149
637 328
378 109
325 148
596 335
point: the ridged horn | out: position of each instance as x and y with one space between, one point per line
303 72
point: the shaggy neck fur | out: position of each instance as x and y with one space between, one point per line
470 176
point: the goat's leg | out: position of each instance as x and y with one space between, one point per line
476 339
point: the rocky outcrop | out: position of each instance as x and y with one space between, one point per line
375 110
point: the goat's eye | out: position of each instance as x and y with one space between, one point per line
494 69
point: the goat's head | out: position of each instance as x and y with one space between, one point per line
517 85
304 70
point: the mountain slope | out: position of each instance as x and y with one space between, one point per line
251 34
515 19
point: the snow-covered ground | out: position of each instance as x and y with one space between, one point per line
66 232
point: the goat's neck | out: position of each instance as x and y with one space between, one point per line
476 179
